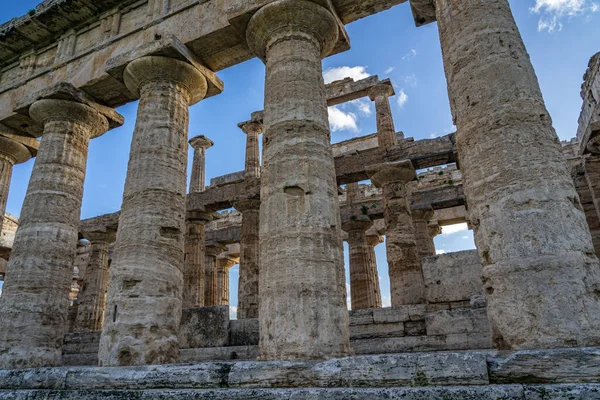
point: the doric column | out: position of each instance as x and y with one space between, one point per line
252 129
406 276
248 295
434 230
11 153
530 230
198 179
91 300
223 265
386 133
420 220
146 280
211 285
373 241
34 303
303 312
194 264
364 283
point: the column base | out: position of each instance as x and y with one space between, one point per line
544 301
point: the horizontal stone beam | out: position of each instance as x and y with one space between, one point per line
224 196
228 235
101 223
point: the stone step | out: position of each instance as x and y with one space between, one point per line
503 392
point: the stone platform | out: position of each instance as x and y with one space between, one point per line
487 374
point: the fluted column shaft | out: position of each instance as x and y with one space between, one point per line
252 131
211 285
145 294
6 166
198 179
248 294
373 241
193 274
223 265
92 298
420 219
386 132
302 289
530 229
34 302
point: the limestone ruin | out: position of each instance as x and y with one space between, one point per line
146 290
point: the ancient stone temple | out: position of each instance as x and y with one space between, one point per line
135 304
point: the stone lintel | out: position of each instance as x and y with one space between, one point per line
423 11
102 223
30 143
165 45
223 197
234 177
395 171
228 235
66 91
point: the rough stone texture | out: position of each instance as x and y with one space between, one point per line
146 280
530 230
39 274
194 264
386 133
302 288
248 299
91 300
211 284
452 277
420 220
11 153
406 277
223 265
589 119
204 327
457 321
243 332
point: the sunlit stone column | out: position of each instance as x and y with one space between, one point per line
252 130
541 276
406 277
146 280
91 301
372 242
33 317
211 284
364 289
386 133
198 179
223 265
420 220
11 153
303 311
248 295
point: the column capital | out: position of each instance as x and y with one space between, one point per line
249 127
200 216
361 223
201 142
381 90
434 230
153 69
282 19
14 151
422 214
399 171
51 110
226 262
247 205
374 240
214 249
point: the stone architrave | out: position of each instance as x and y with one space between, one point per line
303 312
91 300
11 153
34 302
406 276
386 133
248 288
420 219
198 179
211 285
541 276
252 129
143 313
223 265
364 289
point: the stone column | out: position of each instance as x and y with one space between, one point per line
406 277
386 133
198 179
211 284
194 265
373 241
541 277
146 280
434 231
223 265
248 295
420 220
252 130
91 301
303 312
364 282
11 153
34 301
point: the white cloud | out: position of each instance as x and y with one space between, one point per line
554 11
438 252
402 98
389 70
450 229
411 54
348 297
341 121
364 107
386 301
410 80
338 73
464 237
233 312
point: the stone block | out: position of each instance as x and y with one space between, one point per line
415 328
478 302
218 354
74 360
463 320
81 343
243 332
390 315
204 327
376 330
452 277
361 317
417 312
459 341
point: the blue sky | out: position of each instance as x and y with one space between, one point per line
561 36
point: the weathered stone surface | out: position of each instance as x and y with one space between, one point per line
211 284
219 354
11 153
248 284
464 320
530 231
460 341
204 327
243 332
33 302
386 133
452 276
146 279
302 309
252 130
200 144
376 330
